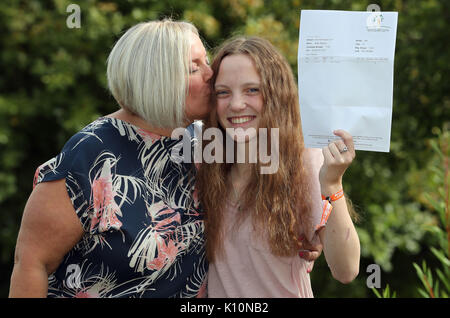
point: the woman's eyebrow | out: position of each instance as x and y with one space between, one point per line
200 57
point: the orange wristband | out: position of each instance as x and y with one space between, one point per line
334 197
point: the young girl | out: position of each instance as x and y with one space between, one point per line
255 221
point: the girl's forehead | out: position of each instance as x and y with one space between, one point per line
239 63
237 70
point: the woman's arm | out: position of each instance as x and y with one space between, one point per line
49 229
339 237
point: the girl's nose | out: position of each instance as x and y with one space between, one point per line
237 103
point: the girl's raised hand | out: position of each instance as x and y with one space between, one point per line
338 155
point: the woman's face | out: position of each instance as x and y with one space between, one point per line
198 98
239 98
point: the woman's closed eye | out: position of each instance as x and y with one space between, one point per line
194 67
193 70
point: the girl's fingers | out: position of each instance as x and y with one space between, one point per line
347 139
303 254
341 146
309 255
335 150
340 156
327 156
346 156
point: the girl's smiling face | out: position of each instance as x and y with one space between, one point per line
238 92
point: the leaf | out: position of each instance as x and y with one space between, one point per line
375 291
436 289
436 148
437 171
443 278
423 293
438 206
386 292
421 275
430 279
444 260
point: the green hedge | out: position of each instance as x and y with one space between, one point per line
53 83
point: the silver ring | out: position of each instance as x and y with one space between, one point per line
345 149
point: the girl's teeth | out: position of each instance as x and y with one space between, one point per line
241 120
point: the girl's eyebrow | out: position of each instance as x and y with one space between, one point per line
220 85
245 84
251 84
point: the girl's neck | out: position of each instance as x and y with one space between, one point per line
240 174
238 178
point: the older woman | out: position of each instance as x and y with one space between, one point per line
112 215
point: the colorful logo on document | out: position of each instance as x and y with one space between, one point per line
374 22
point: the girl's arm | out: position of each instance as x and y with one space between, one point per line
339 237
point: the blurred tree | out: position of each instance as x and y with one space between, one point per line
431 188
53 83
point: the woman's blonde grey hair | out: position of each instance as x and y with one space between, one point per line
148 71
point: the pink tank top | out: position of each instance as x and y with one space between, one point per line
248 268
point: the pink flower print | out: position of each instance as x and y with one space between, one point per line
157 263
160 261
171 251
196 200
202 291
105 208
161 225
83 294
49 163
36 176
102 191
157 209
109 219
166 255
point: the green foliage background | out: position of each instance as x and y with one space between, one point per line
53 83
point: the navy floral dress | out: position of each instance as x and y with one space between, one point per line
143 226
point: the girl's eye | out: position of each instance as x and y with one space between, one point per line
253 90
221 93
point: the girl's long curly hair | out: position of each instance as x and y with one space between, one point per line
275 202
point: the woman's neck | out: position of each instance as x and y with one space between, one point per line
135 120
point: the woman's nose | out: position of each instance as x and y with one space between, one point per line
208 73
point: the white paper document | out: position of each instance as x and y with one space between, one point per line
345 76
